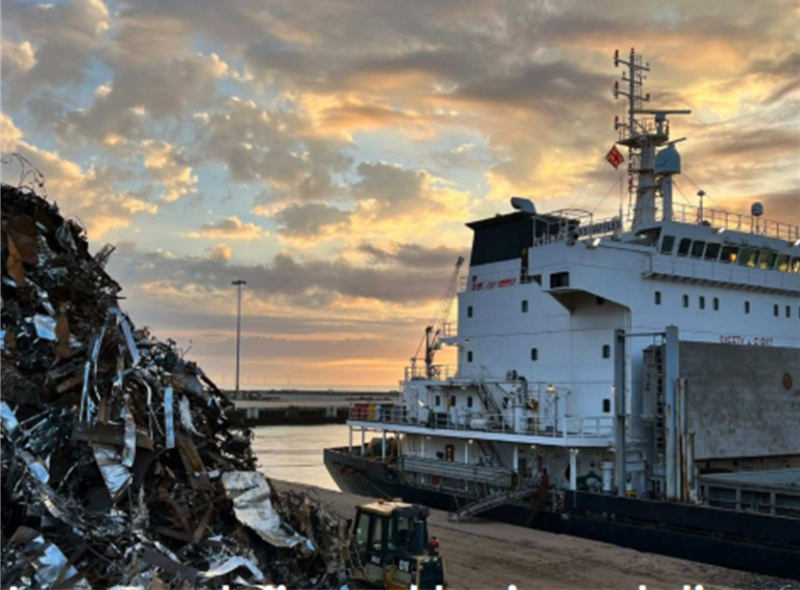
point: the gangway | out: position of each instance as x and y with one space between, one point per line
494 500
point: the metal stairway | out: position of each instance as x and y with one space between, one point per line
492 501
490 450
488 399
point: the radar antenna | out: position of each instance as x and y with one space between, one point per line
641 136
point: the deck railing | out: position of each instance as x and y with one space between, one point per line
567 427
684 213
578 225
437 372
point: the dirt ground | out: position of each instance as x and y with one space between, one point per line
483 554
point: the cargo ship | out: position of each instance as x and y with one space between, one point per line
634 379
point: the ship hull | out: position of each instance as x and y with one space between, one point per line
750 542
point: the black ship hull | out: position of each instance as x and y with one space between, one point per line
752 542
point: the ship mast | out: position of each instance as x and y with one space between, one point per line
642 136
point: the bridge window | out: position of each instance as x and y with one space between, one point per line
776 310
796 265
667 244
749 258
437 401
684 247
606 351
559 279
534 354
783 263
658 297
469 356
469 402
747 307
697 249
788 311
768 260
525 306
712 251
469 311
702 302
452 401
716 303
606 406
686 301
730 254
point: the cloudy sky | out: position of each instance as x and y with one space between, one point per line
329 152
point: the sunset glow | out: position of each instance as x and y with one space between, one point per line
329 152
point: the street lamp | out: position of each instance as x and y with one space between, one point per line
238 283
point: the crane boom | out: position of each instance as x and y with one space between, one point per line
432 338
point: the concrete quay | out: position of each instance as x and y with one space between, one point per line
483 554
295 407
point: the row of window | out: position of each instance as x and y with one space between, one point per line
730 254
438 403
606 352
524 306
701 303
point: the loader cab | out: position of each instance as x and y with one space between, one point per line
387 529
391 543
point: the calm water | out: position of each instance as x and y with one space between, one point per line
294 453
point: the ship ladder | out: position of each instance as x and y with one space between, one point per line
492 501
490 450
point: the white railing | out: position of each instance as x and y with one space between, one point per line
573 224
578 225
449 330
684 213
419 371
582 427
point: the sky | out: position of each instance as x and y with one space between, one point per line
329 152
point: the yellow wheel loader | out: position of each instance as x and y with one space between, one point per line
391 547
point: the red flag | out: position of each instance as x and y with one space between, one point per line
614 157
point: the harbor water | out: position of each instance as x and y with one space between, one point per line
294 453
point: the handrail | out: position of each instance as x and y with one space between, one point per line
685 213
681 213
438 372
503 423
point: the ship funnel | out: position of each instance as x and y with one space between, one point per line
521 204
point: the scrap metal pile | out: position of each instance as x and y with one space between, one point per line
121 464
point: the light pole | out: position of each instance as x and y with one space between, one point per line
238 283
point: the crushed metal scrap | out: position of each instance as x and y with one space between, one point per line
122 464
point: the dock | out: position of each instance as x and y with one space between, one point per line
482 554
281 407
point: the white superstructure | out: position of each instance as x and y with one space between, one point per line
533 392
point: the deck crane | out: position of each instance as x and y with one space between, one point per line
432 338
